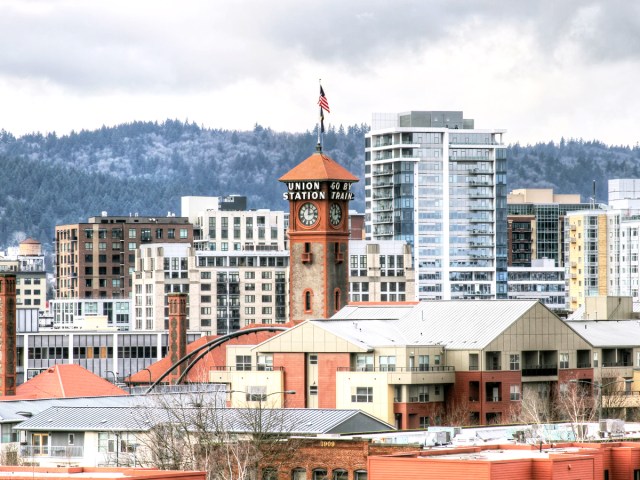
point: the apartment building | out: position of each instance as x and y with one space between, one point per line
438 183
541 281
225 225
536 224
27 263
413 365
380 271
227 290
95 259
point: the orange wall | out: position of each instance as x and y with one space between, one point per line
294 377
328 364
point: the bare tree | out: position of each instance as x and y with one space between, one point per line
197 432
576 405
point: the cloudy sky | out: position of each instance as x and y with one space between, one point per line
540 69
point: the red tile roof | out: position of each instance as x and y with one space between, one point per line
65 381
318 167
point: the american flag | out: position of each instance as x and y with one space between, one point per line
323 102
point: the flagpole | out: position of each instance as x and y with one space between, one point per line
319 146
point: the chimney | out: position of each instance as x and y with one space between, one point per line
8 352
177 332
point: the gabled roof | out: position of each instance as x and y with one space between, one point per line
454 324
289 421
318 167
66 381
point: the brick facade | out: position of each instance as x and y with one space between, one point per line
8 353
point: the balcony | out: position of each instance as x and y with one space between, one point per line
410 376
540 371
63 452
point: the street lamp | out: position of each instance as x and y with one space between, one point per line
115 376
600 387
149 372
262 397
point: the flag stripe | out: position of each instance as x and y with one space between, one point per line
322 101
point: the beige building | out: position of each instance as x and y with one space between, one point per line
31 278
413 365
227 290
380 271
219 227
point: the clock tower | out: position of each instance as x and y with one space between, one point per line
318 191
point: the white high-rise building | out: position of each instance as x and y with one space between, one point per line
438 183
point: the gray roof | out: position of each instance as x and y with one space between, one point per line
290 421
12 411
455 324
608 333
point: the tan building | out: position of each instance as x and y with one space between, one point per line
380 271
415 365
591 243
223 225
94 259
31 277
227 290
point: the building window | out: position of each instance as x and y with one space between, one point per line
595 359
361 474
184 233
362 395
298 474
313 359
243 362
564 360
256 393
514 361
265 362
336 299
340 474
424 422
307 301
387 363
364 362
319 474
423 363
514 392
313 390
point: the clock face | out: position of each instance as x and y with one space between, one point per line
308 214
335 214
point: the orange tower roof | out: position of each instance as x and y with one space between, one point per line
318 167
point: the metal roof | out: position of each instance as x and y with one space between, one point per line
608 333
373 312
290 421
454 324
12 411
365 333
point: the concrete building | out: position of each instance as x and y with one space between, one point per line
541 281
536 224
380 271
439 184
224 224
31 277
95 259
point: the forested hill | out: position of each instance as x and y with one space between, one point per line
146 167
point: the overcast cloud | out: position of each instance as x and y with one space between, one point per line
540 69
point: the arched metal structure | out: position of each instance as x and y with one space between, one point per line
203 350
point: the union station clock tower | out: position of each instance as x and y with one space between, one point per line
318 191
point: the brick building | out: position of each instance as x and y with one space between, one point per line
93 259
412 365
573 461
